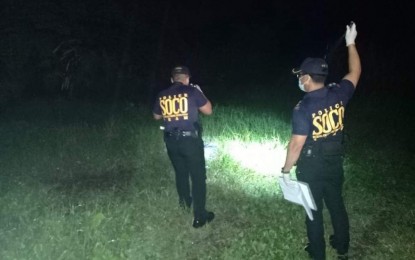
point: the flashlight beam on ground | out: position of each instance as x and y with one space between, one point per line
264 158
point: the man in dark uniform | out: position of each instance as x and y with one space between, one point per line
316 145
179 107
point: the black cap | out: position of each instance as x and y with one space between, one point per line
313 66
180 70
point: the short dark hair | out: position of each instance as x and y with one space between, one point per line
318 78
179 77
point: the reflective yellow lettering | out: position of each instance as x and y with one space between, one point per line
341 116
168 105
175 105
183 105
333 123
163 107
326 123
317 124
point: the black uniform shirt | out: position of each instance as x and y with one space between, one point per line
320 114
179 106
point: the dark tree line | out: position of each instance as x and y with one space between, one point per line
118 49
123 49
88 49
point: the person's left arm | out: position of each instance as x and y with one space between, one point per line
293 152
157 111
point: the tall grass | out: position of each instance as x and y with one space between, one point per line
84 181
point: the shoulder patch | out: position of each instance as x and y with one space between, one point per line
333 84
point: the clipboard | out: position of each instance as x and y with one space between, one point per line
299 193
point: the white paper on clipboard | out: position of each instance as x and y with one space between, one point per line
298 192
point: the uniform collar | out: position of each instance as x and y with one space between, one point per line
321 92
177 84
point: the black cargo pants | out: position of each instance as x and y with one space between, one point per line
186 154
324 175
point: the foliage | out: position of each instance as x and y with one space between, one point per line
90 181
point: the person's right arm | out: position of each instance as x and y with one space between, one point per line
355 68
206 109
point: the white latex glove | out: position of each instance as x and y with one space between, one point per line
351 34
196 86
286 177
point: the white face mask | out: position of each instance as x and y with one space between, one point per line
301 85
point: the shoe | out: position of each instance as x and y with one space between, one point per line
334 246
210 216
307 248
200 222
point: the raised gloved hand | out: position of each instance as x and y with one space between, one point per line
196 86
351 33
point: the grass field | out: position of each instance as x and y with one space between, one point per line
82 181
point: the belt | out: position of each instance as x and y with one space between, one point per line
181 133
323 149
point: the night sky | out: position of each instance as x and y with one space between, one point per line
127 48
